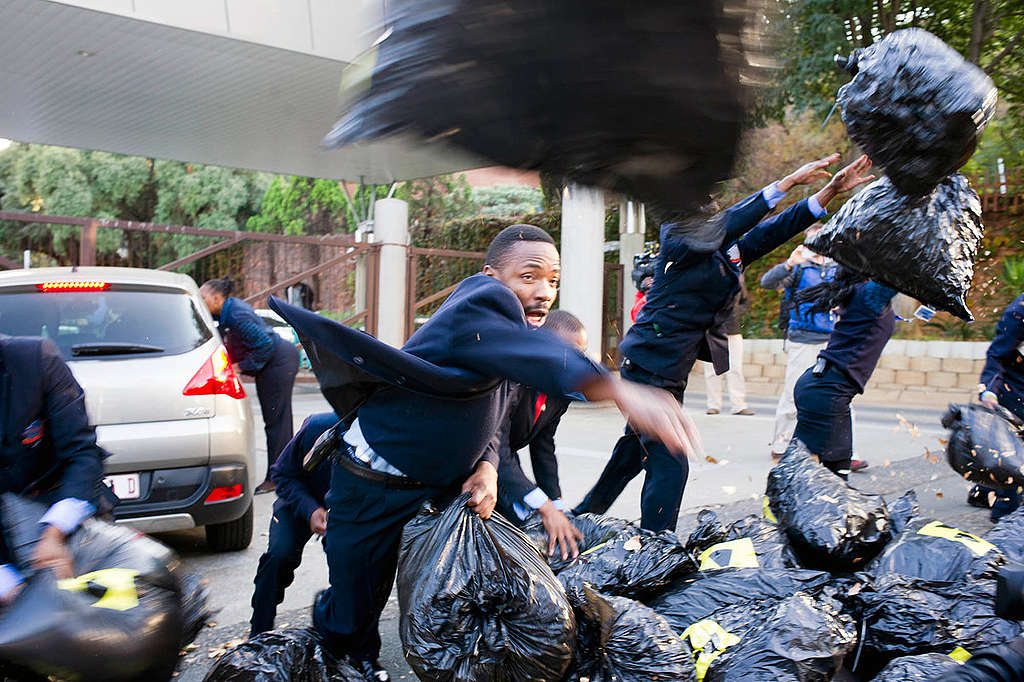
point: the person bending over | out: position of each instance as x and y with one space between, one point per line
696 282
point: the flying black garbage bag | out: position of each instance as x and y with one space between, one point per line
922 668
931 550
596 529
294 655
1008 536
583 90
635 563
916 107
478 602
120 618
985 446
903 511
755 624
625 641
751 542
831 526
905 616
922 246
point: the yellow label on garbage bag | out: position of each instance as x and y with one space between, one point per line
732 554
767 507
708 639
960 654
120 594
938 529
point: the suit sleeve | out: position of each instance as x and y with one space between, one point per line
1003 349
544 462
779 277
289 476
74 440
492 338
770 234
741 217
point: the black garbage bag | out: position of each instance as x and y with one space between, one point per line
623 640
751 542
195 611
119 618
831 526
985 446
595 528
294 655
922 246
478 602
635 563
931 550
916 107
921 668
703 595
906 616
903 510
1008 536
709 531
505 80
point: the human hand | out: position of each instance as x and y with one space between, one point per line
987 397
318 521
845 180
561 532
800 255
52 552
11 595
656 413
808 173
482 486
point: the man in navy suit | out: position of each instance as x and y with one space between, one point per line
421 422
696 283
533 420
299 513
48 450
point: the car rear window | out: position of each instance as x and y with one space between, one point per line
163 319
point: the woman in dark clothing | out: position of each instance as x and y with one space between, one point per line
256 350
823 393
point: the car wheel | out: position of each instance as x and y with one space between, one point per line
231 536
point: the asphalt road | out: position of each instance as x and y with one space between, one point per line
895 441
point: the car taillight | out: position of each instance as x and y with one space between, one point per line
47 287
216 377
225 492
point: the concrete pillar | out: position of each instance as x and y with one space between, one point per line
632 226
391 231
363 233
582 290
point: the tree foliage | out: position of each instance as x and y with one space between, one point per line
507 200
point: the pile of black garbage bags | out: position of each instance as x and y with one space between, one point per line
917 108
827 577
125 616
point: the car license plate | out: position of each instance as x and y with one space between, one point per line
125 486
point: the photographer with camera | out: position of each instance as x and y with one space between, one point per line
643 277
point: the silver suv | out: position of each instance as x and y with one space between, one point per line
158 387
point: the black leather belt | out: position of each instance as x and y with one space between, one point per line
346 458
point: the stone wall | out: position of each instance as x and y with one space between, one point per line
927 373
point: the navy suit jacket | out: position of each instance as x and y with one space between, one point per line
1004 365
694 292
47 446
433 408
299 491
520 430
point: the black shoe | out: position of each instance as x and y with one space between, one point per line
265 487
980 497
372 671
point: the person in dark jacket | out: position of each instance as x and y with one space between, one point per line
1002 663
299 513
696 282
807 332
1002 383
533 420
421 423
824 392
48 451
257 351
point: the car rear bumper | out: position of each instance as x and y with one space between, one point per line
176 499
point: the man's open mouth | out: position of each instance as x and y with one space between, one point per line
536 317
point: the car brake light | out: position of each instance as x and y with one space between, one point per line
225 492
47 287
216 377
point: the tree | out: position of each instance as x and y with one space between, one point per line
302 206
507 200
808 33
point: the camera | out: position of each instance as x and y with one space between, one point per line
643 267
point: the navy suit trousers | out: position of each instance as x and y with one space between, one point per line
666 472
364 530
274 385
288 536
